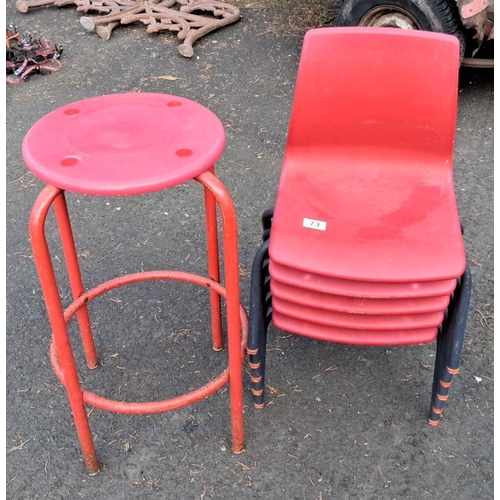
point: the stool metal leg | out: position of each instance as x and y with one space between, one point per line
75 278
213 266
60 334
232 284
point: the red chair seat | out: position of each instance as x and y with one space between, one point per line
365 289
387 219
332 302
351 335
357 321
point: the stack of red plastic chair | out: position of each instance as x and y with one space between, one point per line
365 245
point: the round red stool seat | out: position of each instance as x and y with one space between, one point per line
124 144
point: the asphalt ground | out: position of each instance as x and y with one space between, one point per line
340 421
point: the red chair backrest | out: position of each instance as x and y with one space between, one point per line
365 88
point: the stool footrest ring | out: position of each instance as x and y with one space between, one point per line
156 406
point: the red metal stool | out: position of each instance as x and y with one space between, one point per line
128 144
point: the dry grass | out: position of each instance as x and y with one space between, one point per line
291 17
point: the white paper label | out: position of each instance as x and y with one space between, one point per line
320 225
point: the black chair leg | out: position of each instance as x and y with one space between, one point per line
267 218
259 316
439 357
260 312
449 346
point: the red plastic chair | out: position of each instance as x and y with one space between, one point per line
366 244
370 156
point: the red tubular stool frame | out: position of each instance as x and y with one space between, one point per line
61 351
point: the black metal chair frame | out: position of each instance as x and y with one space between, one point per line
449 340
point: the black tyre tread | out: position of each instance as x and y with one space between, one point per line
447 16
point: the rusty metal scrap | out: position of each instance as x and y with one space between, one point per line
181 16
471 8
11 34
27 55
473 15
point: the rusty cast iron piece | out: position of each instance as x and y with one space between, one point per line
28 55
172 15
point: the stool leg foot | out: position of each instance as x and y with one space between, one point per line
84 433
75 278
87 444
213 267
238 449
93 470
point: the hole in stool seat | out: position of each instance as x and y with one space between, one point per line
69 161
184 152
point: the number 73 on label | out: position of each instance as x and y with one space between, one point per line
319 225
